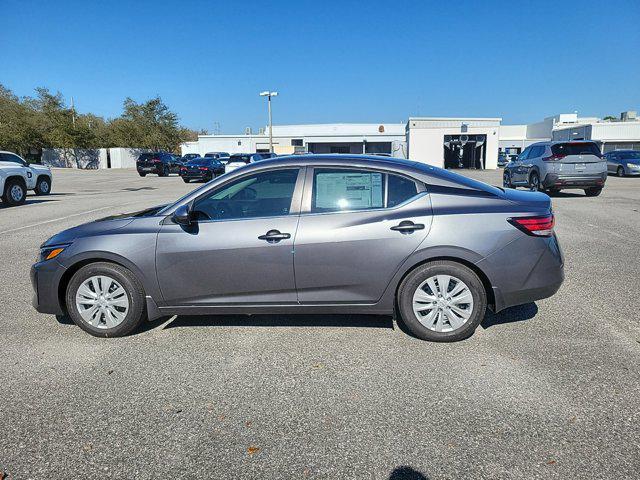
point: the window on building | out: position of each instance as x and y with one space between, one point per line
297 142
340 149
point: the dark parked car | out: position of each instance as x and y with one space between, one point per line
311 234
201 169
160 163
623 162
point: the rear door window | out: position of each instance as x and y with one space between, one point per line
340 189
575 148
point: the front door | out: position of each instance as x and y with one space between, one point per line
355 230
240 250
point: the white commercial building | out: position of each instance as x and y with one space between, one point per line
444 142
359 138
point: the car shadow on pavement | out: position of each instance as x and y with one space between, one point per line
407 473
28 201
299 320
519 313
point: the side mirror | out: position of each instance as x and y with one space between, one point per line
182 215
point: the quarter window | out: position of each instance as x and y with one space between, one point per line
400 189
265 194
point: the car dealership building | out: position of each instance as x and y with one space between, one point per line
464 142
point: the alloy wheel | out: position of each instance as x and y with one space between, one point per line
44 186
102 302
534 183
443 303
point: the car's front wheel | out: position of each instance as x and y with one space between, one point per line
506 180
442 301
105 300
43 187
15 192
620 171
593 191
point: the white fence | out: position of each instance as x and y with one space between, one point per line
91 158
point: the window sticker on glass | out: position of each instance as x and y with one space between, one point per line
348 190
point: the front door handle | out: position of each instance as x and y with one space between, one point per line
407 226
274 236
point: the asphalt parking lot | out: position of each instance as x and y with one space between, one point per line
546 390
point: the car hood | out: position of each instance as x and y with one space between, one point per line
90 229
39 168
534 199
100 226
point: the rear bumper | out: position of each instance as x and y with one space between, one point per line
45 278
559 180
148 169
527 270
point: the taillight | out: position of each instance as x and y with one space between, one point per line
538 226
204 169
553 158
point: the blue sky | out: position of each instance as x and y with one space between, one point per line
331 61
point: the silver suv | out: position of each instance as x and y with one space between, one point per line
554 166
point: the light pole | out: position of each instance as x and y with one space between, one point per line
269 94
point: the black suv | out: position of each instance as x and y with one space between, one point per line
160 163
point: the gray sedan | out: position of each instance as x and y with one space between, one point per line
623 162
310 234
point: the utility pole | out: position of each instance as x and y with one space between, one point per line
269 94
73 114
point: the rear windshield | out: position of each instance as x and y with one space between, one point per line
575 148
147 156
199 162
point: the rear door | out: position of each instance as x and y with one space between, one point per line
356 227
578 158
517 174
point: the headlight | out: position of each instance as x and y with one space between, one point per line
633 165
48 253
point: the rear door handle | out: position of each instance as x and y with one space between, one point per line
407 226
274 236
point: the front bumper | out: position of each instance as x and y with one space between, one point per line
45 278
558 180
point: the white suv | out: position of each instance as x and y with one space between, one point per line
38 177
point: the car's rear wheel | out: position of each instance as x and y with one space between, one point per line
553 191
593 191
142 174
186 180
43 187
534 182
105 300
15 192
620 171
442 301
506 180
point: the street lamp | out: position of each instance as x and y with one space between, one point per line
269 94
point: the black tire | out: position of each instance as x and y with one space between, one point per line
186 180
620 171
142 174
134 291
15 192
553 191
43 186
164 172
534 182
593 191
441 267
506 180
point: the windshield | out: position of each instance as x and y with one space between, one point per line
240 158
631 155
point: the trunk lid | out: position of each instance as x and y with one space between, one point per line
537 200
